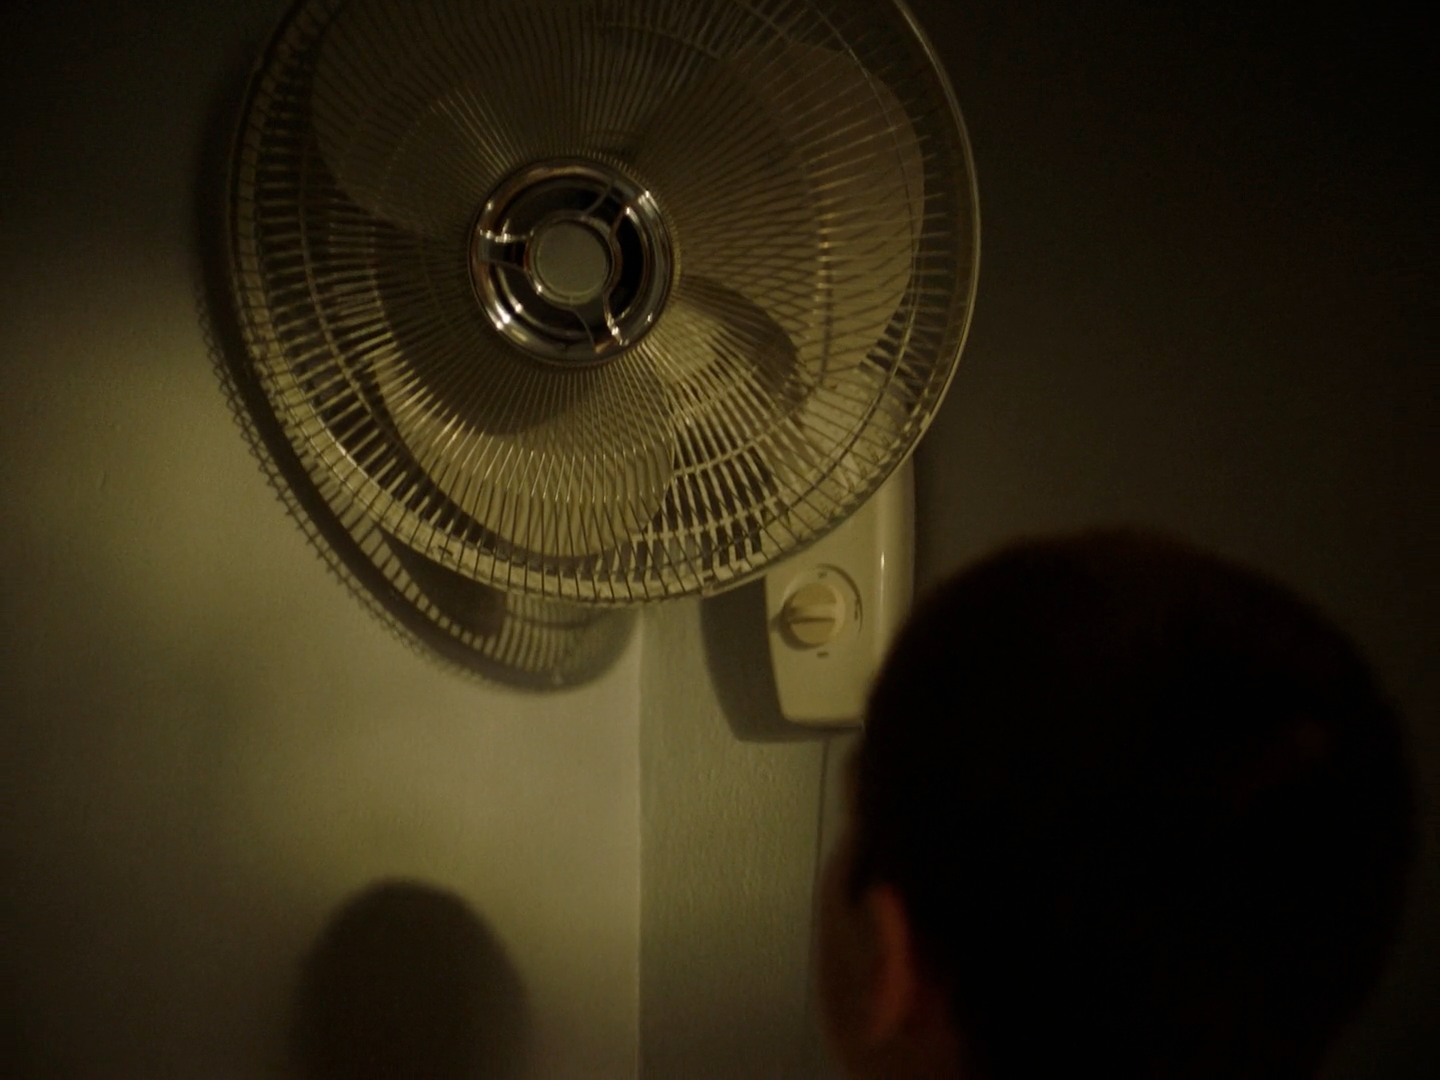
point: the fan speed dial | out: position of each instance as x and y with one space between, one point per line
818 613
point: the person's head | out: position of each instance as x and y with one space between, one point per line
1120 808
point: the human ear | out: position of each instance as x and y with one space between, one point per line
895 984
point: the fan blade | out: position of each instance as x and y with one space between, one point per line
409 116
568 462
423 108
730 372
736 387
794 178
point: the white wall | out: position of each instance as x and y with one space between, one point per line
730 846
1207 303
207 744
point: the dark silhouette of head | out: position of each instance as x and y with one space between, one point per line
1121 808
406 981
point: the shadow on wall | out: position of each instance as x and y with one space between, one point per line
517 640
405 980
737 654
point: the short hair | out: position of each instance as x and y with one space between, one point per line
1146 809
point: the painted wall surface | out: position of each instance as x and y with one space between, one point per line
1207 304
731 831
207 746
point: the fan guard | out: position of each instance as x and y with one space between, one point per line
601 300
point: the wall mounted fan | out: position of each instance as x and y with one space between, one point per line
598 301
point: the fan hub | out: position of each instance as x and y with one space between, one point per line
569 262
572 261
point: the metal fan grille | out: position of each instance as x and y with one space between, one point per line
810 165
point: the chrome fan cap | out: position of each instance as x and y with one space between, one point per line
571 261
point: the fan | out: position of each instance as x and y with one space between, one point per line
599 301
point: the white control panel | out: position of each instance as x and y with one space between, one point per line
834 608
